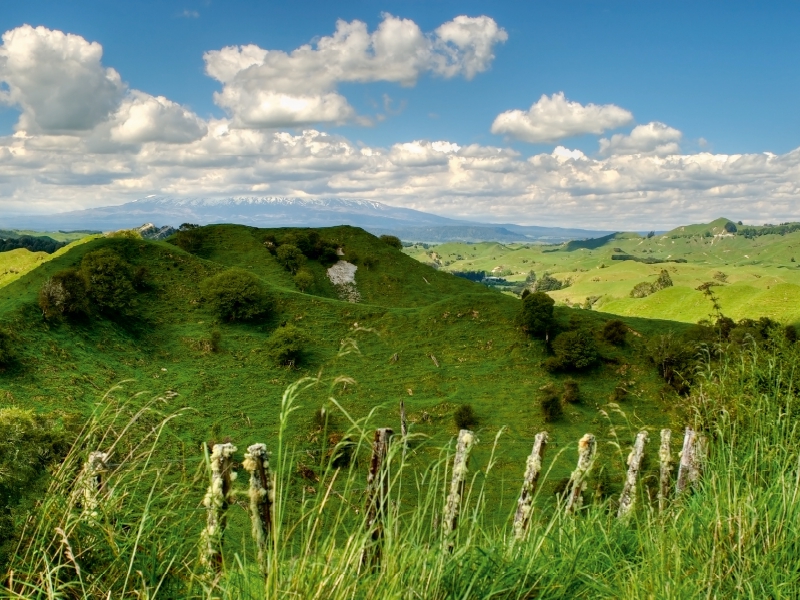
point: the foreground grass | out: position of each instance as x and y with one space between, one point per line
734 536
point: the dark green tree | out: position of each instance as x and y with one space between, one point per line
536 315
393 241
614 332
290 257
64 295
464 417
287 345
109 282
236 295
575 350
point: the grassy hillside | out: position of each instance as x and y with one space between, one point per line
15 263
421 315
753 276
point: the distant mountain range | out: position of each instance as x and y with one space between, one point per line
276 211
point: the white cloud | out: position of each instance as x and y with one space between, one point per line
555 118
145 118
652 138
270 88
57 80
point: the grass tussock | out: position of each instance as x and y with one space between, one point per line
138 534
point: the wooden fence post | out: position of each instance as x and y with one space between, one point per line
532 469
403 427
687 461
628 496
262 496
466 439
587 449
377 493
92 482
216 502
665 459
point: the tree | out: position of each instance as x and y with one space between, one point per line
730 227
109 281
188 238
575 350
304 280
551 404
64 295
287 344
290 257
536 315
236 295
393 241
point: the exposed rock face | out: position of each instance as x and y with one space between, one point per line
150 232
343 278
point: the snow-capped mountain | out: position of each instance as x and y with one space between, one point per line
278 211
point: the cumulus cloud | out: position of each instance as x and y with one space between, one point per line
57 80
653 138
270 88
555 118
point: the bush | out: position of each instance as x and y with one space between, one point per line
287 344
575 349
790 334
536 315
551 364
673 358
290 257
236 295
551 404
64 295
643 289
304 280
109 281
547 283
392 240
464 417
572 392
730 227
619 394
7 352
614 332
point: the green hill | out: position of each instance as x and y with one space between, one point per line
455 342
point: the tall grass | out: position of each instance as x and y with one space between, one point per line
736 535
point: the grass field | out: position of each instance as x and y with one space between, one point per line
754 277
15 263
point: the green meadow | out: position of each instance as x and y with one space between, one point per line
752 277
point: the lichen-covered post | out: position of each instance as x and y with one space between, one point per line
532 469
687 461
698 459
628 496
377 493
92 482
262 496
665 459
587 450
216 502
466 439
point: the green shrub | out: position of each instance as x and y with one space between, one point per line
393 241
290 257
236 295
572 393
619 394
643 289
287 345
551 404
109 281
536 315
304 280
575 350
614 332
674 359
790 333
551 364
548 283
64 295
8 353
464 417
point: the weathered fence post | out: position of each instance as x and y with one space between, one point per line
92 482
466 439
377 493
665 459
216 503
403 427
532 469
628 496
587 449
262 496
686 466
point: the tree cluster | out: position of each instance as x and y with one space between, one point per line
236 295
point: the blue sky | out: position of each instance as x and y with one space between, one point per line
720 78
